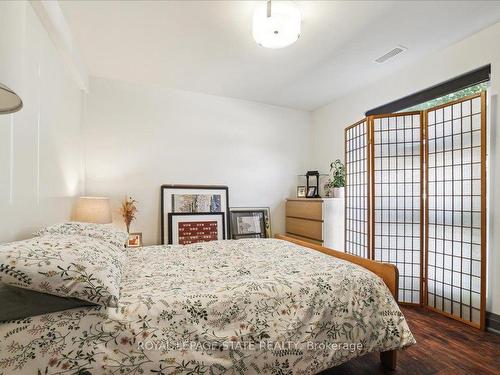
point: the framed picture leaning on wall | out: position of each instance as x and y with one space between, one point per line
250 222
187 227
193 199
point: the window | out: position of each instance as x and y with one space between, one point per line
476 89
465 84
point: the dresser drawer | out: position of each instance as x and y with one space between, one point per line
305 239
305 228
305 209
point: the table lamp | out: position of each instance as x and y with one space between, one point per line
93 210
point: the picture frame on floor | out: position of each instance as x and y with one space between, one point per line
197 199
250 222
243 236
188 227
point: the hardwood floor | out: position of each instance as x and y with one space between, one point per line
444 347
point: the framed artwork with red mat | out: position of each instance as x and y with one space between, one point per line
186 227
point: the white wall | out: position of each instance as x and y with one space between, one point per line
138 138
478 50
40 153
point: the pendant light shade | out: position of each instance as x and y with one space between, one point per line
9 101
276 24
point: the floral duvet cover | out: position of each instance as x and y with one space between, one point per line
225 307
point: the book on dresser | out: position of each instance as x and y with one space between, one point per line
316 220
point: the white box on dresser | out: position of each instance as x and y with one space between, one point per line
316 220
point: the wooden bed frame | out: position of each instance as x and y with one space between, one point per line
388 272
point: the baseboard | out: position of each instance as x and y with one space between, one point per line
492 322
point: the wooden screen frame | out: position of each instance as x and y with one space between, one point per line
484 207
371 120
424 187
368 186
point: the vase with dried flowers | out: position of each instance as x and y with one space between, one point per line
128 211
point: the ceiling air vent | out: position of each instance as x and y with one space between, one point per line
390 54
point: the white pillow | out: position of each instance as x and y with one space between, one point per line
104 232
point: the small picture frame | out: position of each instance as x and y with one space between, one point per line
301 191
237 214
311 192
249 224
134 240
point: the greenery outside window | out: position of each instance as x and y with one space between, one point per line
468 91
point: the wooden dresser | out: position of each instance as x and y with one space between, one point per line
316 220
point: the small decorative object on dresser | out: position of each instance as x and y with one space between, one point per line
192 199
185 228
313 175
134 240
249 222
301 191
128 211
311 192
335 186
316 220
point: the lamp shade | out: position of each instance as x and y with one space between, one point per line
276 24
93 210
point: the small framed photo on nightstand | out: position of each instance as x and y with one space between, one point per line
301 191
134 240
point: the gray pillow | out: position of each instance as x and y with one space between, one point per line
18 303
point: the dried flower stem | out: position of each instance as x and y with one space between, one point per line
128 211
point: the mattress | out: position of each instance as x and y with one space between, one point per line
257 306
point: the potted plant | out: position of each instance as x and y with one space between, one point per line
335 187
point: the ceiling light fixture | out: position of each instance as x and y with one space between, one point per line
276 25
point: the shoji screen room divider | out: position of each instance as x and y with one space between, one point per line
416 197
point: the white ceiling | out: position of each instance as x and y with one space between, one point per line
207 46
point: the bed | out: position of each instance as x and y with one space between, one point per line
256 306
